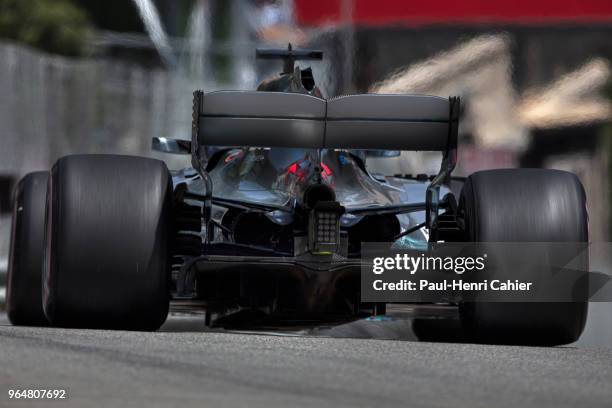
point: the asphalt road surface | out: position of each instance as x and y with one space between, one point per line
186 366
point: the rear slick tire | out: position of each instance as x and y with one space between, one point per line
106 249
23 291
524 205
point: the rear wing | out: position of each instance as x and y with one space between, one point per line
369 121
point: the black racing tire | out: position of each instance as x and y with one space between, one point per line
23 291
106 246
524 205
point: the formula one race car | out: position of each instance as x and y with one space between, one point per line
271 216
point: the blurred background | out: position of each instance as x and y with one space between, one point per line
85 76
